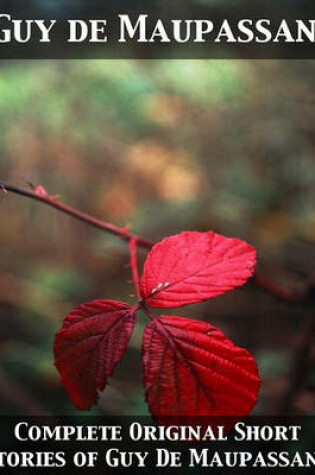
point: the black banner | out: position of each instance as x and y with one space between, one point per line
156 30
116 444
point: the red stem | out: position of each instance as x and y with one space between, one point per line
282 294
134 265
148 312
123 233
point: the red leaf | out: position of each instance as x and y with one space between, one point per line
191 267
92 340
192 369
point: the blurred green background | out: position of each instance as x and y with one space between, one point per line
162 146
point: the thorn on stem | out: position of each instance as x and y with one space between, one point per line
31 185
3 189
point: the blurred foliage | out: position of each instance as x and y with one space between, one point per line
162 146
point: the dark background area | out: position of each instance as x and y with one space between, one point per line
162 146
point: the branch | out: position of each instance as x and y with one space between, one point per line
39 194
302 344
286 295
134 266
123 233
